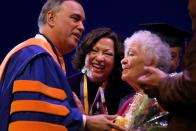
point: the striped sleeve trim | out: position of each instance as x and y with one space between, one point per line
37 86
35 126
38 106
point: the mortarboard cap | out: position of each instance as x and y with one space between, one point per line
173 35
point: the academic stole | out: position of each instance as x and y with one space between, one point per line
99 104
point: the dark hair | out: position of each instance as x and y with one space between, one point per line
50 5
88 43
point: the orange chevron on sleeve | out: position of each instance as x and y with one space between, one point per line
38 106
37 86
35 126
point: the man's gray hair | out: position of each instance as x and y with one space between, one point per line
50 5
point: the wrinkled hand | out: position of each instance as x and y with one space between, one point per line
152 77
78 103
151 81
102 123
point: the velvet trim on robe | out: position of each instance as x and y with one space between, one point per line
36 67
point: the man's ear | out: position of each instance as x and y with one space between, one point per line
51 19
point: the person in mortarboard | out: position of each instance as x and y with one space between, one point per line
176 93
176 38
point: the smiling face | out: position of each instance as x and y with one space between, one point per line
100 60
133 64
68 25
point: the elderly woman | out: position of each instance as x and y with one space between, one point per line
143 48
99 85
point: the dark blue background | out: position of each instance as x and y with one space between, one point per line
19 18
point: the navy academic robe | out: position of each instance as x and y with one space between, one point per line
35 94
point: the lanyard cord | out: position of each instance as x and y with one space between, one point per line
86 105
100 98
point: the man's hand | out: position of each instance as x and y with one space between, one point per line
102 123
152 77
151 81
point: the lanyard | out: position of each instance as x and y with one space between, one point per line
99 103
84 94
